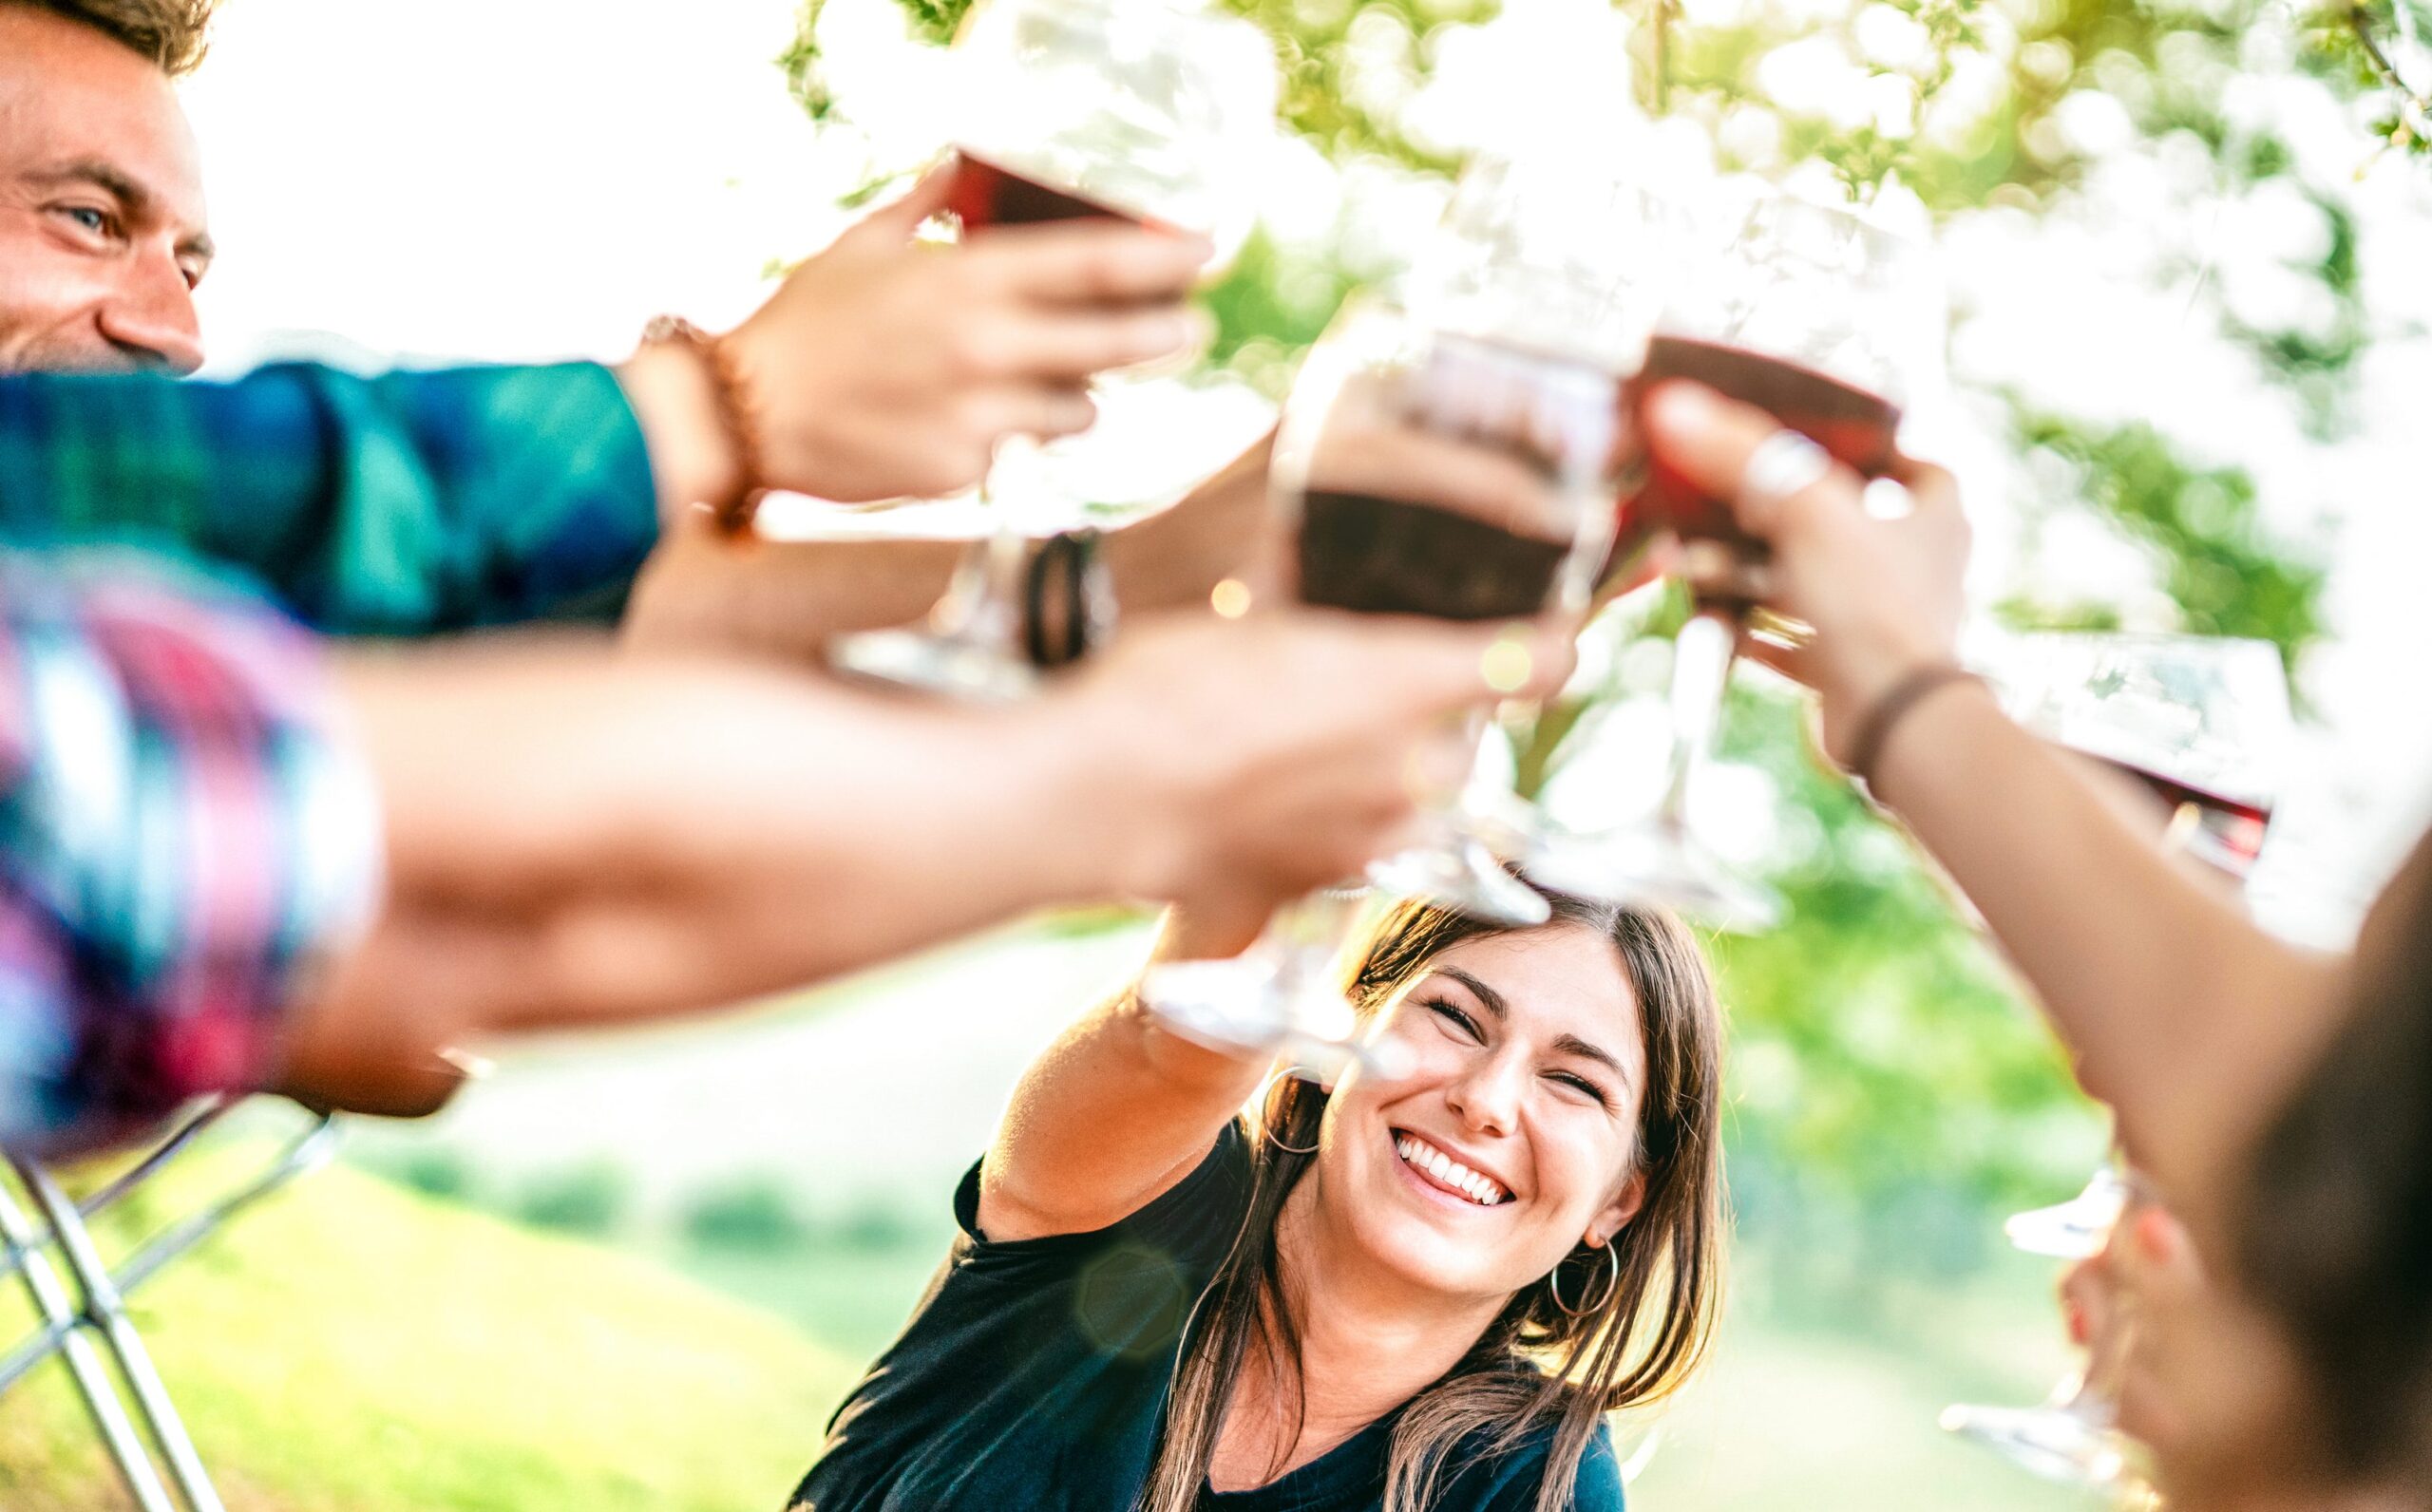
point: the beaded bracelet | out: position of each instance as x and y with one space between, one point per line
736 416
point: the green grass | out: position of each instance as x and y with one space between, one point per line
353 1345
357 1345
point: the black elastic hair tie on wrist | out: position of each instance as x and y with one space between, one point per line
1060 572
1042 565
1904 695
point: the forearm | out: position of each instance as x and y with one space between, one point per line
782 601
2183 1016
613 839
787 600
1113 1114
1175 559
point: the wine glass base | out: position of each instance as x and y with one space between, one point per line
1245 1007
954 666
1460 872
1662 864
2074 1230
2053 1442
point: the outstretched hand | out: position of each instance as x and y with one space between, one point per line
1882 589
891 367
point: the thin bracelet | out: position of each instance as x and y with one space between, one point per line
736 417
1904 695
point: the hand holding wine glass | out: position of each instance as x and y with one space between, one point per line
889 367
1271 755
1073 118
1884 591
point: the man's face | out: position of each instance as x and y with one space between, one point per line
101 237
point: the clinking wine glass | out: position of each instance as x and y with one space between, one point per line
1151 111
1827 322
1534 255
2202 725
2072 1436
1418 471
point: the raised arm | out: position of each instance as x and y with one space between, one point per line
578 838
787 600
1112 1115
2188 1019
419 501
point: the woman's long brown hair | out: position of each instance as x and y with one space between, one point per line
1536 1366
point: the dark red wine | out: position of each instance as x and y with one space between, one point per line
984 195
2228 832
1378 555
1857 428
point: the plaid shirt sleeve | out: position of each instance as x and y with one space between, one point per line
395 506
183 834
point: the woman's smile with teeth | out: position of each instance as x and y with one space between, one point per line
1445 1172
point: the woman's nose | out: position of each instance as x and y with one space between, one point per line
1487 1094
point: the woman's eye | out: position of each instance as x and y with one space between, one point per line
1582 1086
1453 1016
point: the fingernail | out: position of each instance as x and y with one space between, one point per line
2157 1237
1682 405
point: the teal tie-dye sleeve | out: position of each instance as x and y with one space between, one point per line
401 504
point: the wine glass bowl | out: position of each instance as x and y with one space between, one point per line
1427 471
1155 112
1826 321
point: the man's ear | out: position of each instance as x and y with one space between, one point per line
1615 1216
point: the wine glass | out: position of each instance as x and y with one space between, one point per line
1533 254
2072 1436
2203 724
1828 321
1151 111
1418 471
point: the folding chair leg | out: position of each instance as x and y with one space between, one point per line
106 1311
84 1365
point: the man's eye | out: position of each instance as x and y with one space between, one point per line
96 222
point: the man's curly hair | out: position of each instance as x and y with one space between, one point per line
170 32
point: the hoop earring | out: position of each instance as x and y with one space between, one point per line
1266 1124
1553 1286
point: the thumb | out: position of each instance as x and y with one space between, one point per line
900 218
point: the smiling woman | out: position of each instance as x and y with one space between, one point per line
1405 1293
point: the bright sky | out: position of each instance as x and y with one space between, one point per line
518 178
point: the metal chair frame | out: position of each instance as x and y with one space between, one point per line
68 1325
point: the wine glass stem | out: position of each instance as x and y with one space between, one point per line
982 606
1701 657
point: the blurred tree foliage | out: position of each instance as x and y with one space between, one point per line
1890 1087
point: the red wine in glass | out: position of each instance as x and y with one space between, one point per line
1419 545
984 195
1856 426
2228 831
1378 555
